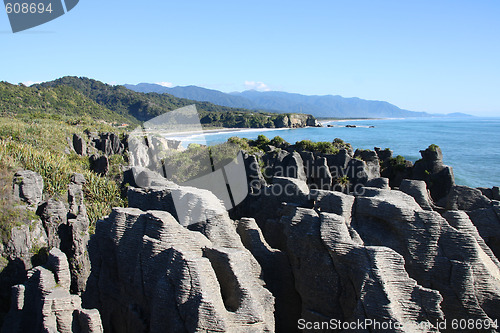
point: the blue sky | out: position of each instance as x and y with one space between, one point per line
437 56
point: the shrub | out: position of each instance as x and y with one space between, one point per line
241 142
100 195
340 144
398 162
278 141
55 170
38 145
344 180
261 142
319 147
433 147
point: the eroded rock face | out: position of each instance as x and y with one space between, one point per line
381 254
28 186
54 216
437 255
431 169
418 190
44 303
109 144
340 279
277 274
466 198
63 228
487 222
78 235
291 166
99 164
193 283
79 145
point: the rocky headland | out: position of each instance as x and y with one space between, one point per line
324 239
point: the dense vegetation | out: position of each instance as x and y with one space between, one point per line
39 145
142 107
56 103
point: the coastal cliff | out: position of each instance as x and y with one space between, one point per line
327 236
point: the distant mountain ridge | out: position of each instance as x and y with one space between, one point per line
328 106
118 103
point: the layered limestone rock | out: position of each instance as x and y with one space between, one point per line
150 273
418 190
431 169
296 121
77 235
44 303
255 178
290 166
57 226
277 274
372 162
437 255
382 254
28 186
67 229
79 145
194 208
340 279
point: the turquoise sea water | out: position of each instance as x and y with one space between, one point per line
470 145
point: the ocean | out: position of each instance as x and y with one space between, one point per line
470 145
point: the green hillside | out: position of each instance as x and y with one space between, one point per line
60 101
143 107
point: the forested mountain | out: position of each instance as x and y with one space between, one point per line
197 94
57 101
126 102
76 97
327 106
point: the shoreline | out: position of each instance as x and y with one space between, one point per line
253 129
184 135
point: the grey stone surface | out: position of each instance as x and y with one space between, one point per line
321 175
487 192
277 275
99 164
108 143
372 162
54 217
194 208
68 231
418 190
495 193
79 145
28 186
375 283
75 196
383 155
338 163
466 198
291 166
308 160
380 182
353 282
284 189
254 175
144 178
437 255
333 202
44 304
193 284
431 169
487 222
